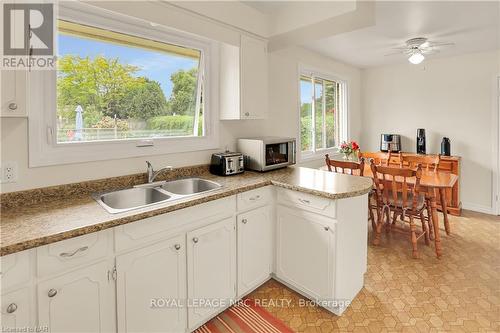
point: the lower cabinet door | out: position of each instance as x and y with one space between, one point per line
78 301
255 248
305 251
211 259
17 310
151 288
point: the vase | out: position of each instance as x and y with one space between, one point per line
353 157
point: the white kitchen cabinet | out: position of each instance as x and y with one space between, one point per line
211 260
17 309
244 80
16 269
255 198
148 278
70 253
255 248
78 301
305 245
13 85
254 76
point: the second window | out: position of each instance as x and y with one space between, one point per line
322 105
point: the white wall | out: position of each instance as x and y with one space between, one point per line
453 97
282 120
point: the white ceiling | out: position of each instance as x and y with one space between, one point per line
472 26
266 7
284 16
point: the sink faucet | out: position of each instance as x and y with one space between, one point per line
153 174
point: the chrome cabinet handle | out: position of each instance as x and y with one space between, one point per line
327 228
304 201
257 197
12 308
70 254
177 247
244 221
195 239
52 293
13 106
247 114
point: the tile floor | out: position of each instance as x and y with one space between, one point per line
458 293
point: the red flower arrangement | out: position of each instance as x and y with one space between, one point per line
349 148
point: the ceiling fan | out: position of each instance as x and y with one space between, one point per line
416 48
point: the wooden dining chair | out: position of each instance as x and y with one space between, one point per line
379 158
428 163
351 168
397 194
346 167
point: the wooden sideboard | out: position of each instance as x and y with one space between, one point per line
449 164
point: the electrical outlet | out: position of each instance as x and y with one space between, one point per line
9 172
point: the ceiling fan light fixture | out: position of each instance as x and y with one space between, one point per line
416 58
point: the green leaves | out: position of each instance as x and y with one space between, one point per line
112 94
144 101
183 100
107 87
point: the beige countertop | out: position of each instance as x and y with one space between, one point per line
25 226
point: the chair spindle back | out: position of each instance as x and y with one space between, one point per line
380 158
345 167
391 181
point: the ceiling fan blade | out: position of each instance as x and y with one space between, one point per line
393 53
430 51
434 44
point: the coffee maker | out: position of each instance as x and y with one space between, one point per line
390 142
420 141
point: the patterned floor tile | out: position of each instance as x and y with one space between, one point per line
458 293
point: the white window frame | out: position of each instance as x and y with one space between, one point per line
43 147
343 113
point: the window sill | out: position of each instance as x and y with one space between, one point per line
318 155
45 155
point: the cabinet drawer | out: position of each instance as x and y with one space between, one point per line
163 226
445 166
308 202
255 198
74 252
16 269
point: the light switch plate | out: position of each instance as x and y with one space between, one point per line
9 172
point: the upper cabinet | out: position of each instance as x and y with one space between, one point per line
13 93
244 80
13 82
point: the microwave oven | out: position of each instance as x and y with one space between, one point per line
267 153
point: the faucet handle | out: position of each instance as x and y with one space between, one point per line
149 164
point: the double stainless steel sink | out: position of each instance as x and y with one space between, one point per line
154 193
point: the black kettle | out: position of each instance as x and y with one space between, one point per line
445 147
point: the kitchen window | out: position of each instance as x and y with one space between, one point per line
113 86
123 88
323 110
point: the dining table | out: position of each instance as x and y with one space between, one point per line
434 183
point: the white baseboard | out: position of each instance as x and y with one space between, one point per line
478 208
